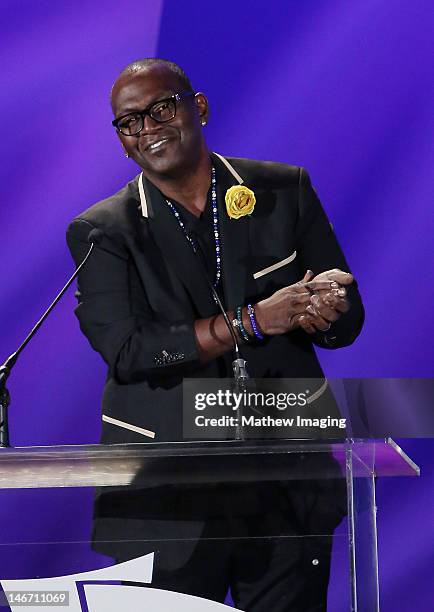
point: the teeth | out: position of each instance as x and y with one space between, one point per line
156 144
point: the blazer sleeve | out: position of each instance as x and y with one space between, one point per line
319 251
115 317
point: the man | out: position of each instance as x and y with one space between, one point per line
145 303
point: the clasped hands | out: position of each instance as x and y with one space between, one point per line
314 303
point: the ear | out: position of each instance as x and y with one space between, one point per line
201 102
122 145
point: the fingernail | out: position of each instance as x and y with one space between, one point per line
334 284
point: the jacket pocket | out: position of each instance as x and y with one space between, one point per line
276 266
129 426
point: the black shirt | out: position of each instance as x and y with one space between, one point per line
201 229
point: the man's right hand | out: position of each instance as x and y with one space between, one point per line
278 314
287 308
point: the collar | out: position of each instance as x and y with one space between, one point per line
144 197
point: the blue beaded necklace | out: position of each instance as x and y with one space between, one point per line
215 221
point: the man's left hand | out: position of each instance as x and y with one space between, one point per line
328 301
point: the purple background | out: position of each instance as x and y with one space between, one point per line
342 88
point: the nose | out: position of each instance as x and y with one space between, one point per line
149 125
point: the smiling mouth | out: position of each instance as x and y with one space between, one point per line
156 145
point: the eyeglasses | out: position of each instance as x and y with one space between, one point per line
161 112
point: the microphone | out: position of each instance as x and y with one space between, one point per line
94 238
239 365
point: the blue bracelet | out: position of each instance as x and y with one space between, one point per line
253 322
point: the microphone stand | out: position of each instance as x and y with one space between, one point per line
239 364
6 368
4 403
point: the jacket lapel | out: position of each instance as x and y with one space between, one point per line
175 250
172 246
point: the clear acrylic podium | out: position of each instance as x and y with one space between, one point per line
49 546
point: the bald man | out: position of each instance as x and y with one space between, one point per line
146 306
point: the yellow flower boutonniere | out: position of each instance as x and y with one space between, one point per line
240 201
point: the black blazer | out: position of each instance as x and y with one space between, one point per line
143 288
138 298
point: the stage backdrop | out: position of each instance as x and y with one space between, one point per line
342 88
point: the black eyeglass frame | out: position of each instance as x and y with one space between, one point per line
177 97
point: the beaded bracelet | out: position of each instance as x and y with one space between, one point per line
253 322
238 324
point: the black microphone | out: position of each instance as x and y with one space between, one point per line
239 365
94 238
